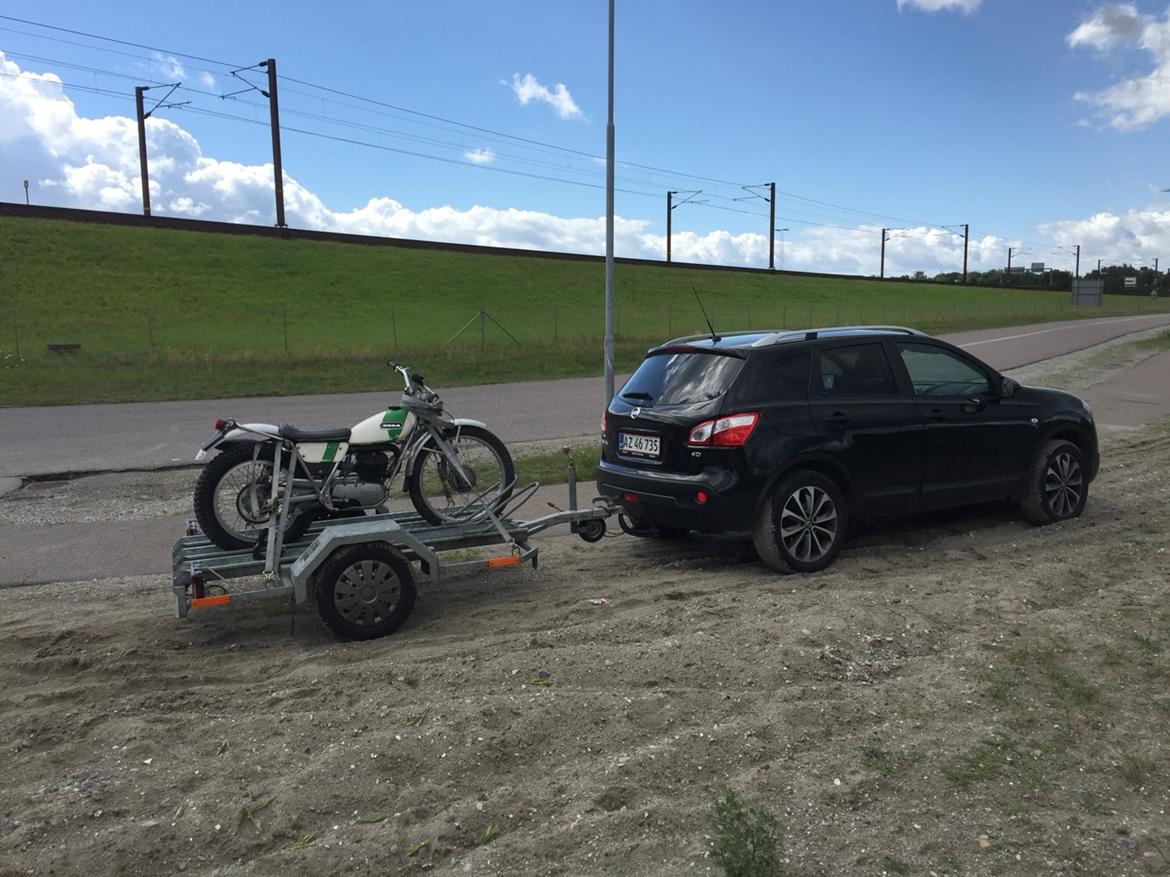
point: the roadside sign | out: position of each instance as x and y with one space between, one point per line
1131 283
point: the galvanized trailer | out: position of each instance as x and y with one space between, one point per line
360 570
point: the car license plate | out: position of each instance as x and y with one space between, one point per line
641 445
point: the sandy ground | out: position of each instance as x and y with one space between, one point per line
963 695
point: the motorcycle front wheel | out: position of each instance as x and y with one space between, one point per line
442 494
232 494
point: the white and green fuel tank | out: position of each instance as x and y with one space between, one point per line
387 426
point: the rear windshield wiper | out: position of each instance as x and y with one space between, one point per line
638 394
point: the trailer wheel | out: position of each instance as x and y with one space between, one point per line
365 591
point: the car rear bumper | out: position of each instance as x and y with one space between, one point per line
671 500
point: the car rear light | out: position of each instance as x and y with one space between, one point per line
631 498
603 422
731 431
220 423
701 497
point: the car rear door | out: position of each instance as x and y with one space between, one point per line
869 423
977 448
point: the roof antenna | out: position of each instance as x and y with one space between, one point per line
714 337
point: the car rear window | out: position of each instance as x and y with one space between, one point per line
682 378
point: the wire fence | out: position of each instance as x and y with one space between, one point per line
153 333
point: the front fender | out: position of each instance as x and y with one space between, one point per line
455 422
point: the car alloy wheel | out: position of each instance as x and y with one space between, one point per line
808 524
1063 482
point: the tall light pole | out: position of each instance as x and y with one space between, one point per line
782 230
609 227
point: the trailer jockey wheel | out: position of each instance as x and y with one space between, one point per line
365 591
592 530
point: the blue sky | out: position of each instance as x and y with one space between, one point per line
1041 123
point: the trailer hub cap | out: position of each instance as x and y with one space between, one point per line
366 592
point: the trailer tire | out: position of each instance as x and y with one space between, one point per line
365 591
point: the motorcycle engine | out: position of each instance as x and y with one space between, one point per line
366 486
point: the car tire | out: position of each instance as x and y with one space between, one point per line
1056 486
802 524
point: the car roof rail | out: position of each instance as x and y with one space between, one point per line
839 331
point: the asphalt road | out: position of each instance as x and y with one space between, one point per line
142 435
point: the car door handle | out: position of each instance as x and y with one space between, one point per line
837 418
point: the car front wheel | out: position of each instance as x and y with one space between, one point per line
801 526
1056 486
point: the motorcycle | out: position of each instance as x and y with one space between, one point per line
452 468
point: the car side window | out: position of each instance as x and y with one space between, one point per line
856 370
774 380
937 372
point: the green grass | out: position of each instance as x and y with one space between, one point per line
744 842
174 314
553 468
1158 342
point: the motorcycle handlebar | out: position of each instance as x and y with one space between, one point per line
415 379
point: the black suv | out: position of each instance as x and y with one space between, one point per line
793 434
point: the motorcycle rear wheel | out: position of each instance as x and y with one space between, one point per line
231 496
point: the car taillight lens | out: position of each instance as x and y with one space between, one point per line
731 431
603 422
220 423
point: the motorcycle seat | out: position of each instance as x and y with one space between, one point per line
327 434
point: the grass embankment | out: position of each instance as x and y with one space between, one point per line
164 314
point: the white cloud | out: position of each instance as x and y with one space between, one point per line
964 6
1113 25
208 81
167 67
528 89
480 156
1140 100
1136 236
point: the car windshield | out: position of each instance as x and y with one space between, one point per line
681 378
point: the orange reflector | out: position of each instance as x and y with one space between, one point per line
217 600
503 562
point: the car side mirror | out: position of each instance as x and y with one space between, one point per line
1007 388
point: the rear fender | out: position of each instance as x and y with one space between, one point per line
243 433
822 463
